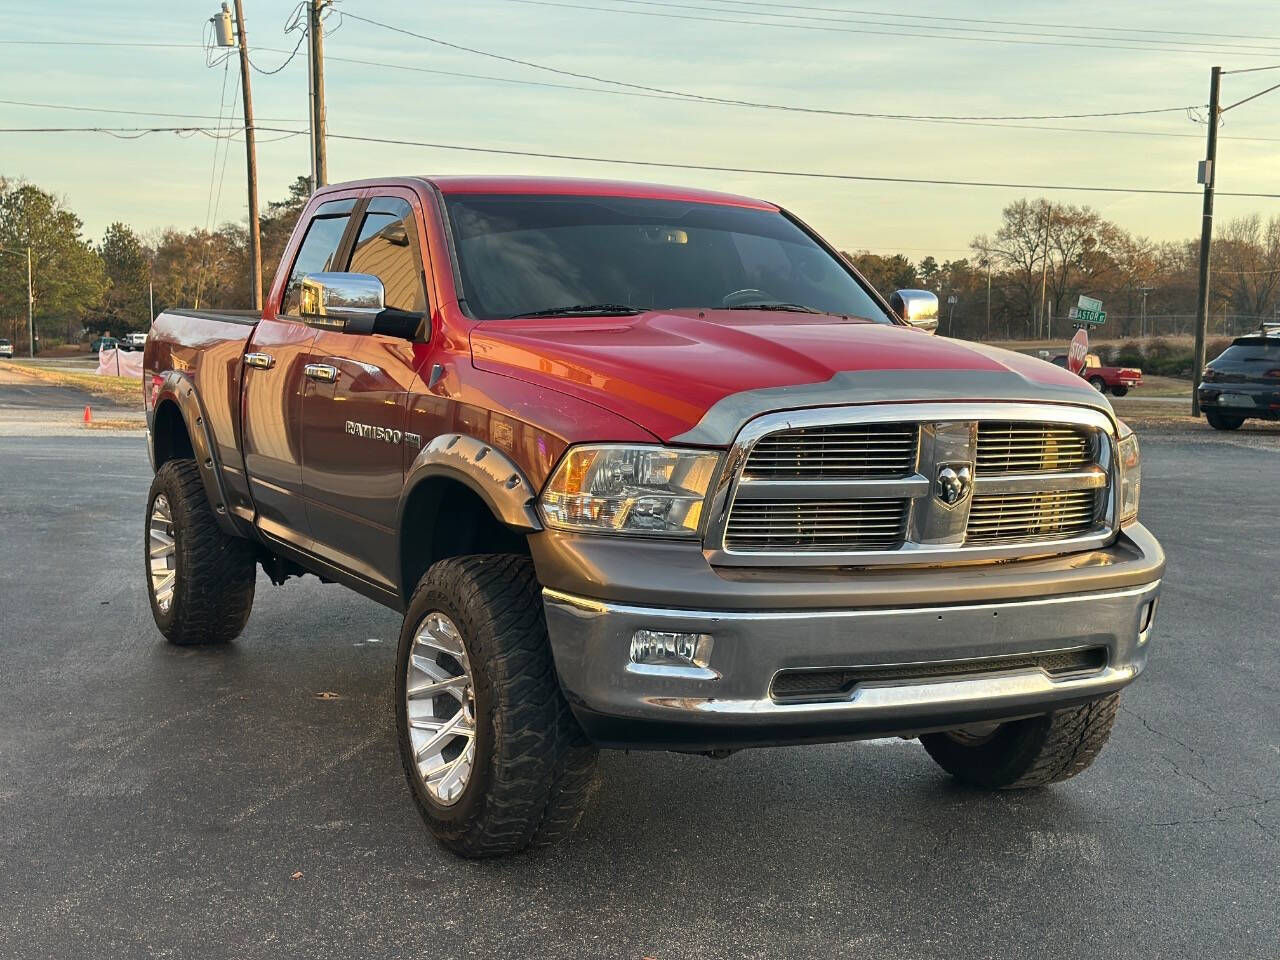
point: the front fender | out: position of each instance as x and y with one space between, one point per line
487 471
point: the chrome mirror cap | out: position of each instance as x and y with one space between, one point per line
334 299
916 307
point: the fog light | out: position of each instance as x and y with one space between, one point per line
661 649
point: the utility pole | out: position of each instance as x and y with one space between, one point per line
1142 323
31 313
1044 266
315 37
986 262
1206 237
251 162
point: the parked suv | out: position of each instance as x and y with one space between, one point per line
6 347
647 468
1243 381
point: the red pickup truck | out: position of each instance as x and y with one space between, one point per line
653 468
1119 380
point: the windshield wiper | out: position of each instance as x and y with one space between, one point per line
785 307
583 310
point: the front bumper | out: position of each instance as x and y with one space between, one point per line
730 702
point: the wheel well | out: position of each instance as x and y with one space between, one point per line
169 437
446 518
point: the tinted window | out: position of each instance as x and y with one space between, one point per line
387 247
522 254
1250 353
317 254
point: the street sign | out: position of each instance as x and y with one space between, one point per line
1094 318
1088 303
1078 351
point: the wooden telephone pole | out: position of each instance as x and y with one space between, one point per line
1206 237
251 161
315 38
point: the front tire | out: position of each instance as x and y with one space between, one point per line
1027 753
494 757
1098 384
1223 421
199 578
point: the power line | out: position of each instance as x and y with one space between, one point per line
775 173
752 103
1010 23
883 33
1172 44
1254 96
135 133
625 161
103 43
133 113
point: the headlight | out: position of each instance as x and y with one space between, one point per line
1130 474
643 491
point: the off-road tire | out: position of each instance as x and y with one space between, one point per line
214 571
534 769
1223 421
1098 384
1119 391
1028 753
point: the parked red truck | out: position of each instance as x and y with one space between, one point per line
646 467
1117 380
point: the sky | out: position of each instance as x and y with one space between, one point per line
840 55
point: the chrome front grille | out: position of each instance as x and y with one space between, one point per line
1013 447
915 483
835 451
1013 518
807 525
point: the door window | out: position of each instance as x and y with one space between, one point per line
387 247
318 253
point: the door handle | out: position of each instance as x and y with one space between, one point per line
321 371
263 361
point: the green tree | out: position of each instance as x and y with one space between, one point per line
67 274
886 274
125 305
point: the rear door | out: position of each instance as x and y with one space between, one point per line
356 400
274 382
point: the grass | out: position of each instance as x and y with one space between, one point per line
122 390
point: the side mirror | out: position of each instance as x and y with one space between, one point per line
353 303
916 307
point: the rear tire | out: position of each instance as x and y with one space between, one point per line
1119 391
1098 384
531 770
1027 753
201 582
1223 421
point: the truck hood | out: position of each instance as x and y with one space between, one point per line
695 376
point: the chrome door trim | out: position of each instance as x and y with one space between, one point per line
729 483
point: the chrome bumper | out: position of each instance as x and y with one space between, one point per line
728 703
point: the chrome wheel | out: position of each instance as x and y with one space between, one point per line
440 708
162 557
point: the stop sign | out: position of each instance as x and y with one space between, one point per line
1078 350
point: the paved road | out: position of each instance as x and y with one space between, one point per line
157 801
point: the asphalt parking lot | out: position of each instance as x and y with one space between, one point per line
156 801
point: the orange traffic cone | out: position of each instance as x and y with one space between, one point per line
88 414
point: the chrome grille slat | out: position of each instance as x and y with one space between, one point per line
805 525
1012 447
835 452
1031 517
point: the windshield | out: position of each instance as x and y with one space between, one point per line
521 255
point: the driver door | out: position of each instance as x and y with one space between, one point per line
356 401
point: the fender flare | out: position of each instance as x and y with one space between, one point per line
487 471
177 388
